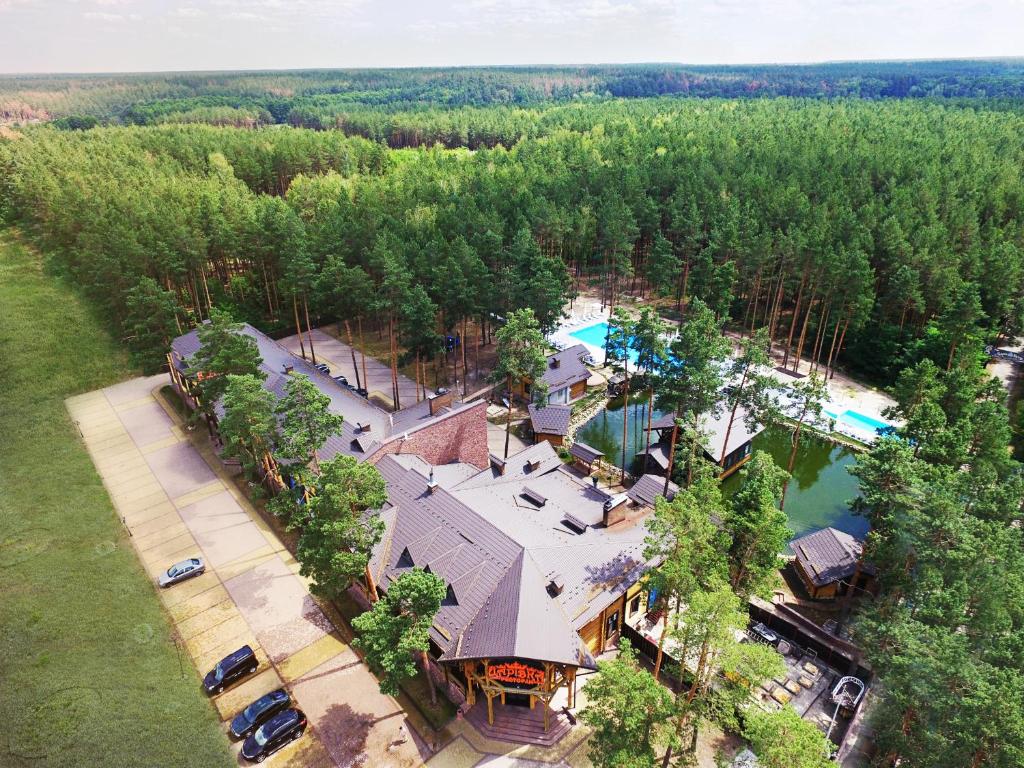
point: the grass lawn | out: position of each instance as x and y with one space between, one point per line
89 673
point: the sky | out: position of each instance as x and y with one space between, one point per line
159 35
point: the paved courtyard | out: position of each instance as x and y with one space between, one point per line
177 500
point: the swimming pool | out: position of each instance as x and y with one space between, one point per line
859 421
595 335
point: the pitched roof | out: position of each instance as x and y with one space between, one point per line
828 555
658 453
499 541
649 487
714 426
584 452
532 461
500 606
551 419
354 440
566 367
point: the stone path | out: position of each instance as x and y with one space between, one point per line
177 501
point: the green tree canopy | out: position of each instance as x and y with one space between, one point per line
224 350
341 529
306 422
628 710
397 627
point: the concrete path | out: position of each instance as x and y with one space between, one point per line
338 357
177 500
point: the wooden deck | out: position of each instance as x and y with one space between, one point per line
520 725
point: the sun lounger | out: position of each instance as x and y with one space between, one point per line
780 695
806 681
810 669
793 687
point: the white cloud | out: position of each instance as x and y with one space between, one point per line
188 12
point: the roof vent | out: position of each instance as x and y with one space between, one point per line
532 465
556 584
537 498
574 524
365 427
431 482
555 362
498 465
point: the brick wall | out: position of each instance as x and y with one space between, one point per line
458 436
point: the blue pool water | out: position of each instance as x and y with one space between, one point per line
595 335
859 420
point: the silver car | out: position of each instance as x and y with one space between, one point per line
186 569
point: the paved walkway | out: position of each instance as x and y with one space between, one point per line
338 357
177 500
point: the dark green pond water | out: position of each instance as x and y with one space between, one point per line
604 431
819 494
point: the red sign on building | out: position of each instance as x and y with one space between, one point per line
516 673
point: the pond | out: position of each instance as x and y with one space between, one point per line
818 495
821 489
604 430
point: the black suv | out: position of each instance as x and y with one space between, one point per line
274 734
232 667
257 713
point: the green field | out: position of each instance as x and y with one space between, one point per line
89 674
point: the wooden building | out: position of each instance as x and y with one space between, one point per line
439 427
565 375
550 423
737 452
826 562
540 567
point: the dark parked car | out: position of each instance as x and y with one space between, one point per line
323 368
232 667
274 734
342 380
186 569
258 712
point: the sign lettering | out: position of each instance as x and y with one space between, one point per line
515 672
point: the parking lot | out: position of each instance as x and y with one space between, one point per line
177 501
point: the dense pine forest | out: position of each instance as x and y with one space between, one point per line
866 216
868 234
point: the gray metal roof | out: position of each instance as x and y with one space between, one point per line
649 487
551 419
532 461
566 367
828 555
584 452
356 410
499 541
658 453
714 427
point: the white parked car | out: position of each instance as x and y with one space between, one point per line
186 569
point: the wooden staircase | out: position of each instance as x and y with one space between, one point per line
520 725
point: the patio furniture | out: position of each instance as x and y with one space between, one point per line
806 681
793 687
811 669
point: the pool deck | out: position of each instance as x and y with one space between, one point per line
845 394
583 315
